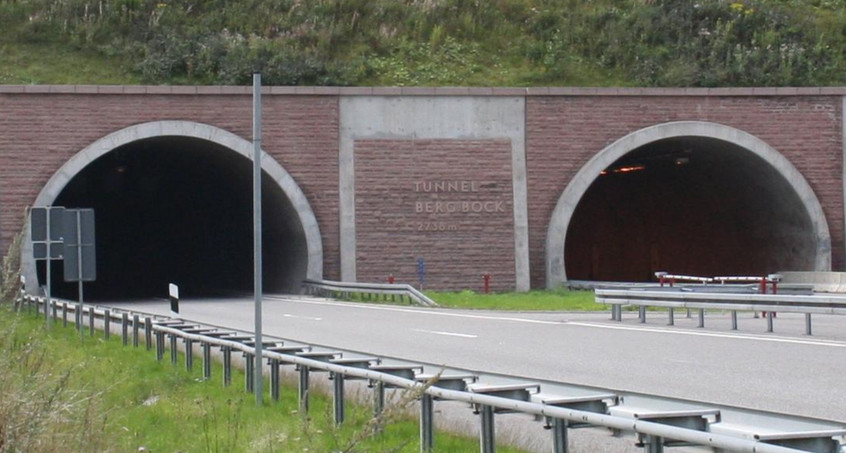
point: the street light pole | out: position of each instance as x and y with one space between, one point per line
257 255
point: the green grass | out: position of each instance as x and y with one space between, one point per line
556 300
129 400
27 64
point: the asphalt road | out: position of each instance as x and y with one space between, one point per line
785 372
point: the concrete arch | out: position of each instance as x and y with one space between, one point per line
187 129
578 186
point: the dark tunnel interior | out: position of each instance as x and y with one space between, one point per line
179 210
688 205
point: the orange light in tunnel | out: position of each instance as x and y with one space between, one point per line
629 169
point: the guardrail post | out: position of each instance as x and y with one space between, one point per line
54 310
135 331
378 398
642 313
338 402
160 347
734 320
107 324
207 360
77 316
671 316
173 351
227 365
653 444
274 379
249 368
64 314
91 321
701 317
189 355
769 321
427 427
808 324
560 442
487 435
148 332
303 389
124 328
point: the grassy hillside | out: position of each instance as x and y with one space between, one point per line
426 42
60 394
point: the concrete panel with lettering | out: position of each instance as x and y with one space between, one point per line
447 201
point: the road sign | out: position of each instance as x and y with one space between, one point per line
421 271
44 222
79 251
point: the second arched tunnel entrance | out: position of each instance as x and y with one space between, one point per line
691 205
179 210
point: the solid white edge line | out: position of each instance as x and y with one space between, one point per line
711 334
580 324
449 334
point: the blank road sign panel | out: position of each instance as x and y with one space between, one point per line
38 231
74 231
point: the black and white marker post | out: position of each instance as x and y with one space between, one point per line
173 293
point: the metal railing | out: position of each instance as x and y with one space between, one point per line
368 291
701 301
655 429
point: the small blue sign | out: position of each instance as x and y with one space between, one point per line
421 270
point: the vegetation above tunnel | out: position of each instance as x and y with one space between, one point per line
431 42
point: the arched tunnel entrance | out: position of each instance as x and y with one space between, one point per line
178 209
696 204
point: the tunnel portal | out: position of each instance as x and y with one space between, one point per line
178 210
688 205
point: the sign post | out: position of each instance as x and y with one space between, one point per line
421 272
257 256
46 225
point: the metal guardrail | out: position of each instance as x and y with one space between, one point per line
655 429
372 291
703 300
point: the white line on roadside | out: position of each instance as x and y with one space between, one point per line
430 312
423 311
449 334
711 334
286 315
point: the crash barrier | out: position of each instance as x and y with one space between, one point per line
368 291
704 300
764 282
655 429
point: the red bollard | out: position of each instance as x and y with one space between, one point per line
391 279
487 278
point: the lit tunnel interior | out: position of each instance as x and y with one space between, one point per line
179 210
688 205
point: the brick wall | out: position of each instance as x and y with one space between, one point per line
40 132
447 201
563 133
42 127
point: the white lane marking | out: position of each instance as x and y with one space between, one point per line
712 334
449 334
574 323
286 315
425 312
